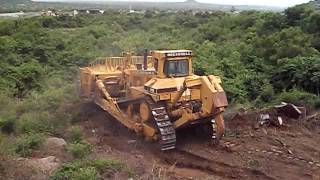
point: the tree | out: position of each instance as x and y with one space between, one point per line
298 13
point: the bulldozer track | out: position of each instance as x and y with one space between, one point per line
166 128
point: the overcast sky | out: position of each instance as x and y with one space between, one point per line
280 3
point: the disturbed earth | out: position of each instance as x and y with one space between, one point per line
248 150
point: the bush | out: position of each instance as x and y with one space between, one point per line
49 111
75 171
7 125
89 169
267 93
106 164
76 134
317 104
34 122
8 114
26 144
88 173
80 149
299 98
7 145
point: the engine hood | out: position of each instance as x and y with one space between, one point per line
166 83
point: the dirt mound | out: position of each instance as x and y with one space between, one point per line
281 115
313 122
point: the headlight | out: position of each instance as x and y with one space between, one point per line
152 90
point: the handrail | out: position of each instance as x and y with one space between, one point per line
119 61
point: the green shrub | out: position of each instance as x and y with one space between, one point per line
1 137
80 149
2 168
88 173
89 169
317 103
298 97
8 113
34 122
267 93
7 145
7 125
75 171
27 143
50 110
109 164
76 134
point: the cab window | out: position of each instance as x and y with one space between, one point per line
176 68
155 64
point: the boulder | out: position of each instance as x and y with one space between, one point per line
54 142
54 147
44 165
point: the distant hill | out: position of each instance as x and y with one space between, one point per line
191 1
187 5
13 1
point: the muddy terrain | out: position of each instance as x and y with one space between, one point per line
248 150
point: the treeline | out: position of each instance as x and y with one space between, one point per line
259 55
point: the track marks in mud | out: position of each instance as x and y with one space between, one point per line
185 159
277 154
291 158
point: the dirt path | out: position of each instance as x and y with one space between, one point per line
290 152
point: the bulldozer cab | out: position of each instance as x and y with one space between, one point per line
173 63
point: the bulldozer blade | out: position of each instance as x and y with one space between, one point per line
219 126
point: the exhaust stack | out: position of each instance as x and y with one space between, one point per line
145 59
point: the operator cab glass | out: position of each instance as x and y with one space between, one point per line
176 68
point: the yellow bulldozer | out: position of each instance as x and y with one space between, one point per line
155 94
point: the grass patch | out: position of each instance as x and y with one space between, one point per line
34 122
75 171
90 169
80 150
27 143
76 134
2 168
7 145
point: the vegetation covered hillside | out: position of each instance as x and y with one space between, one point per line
262 57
